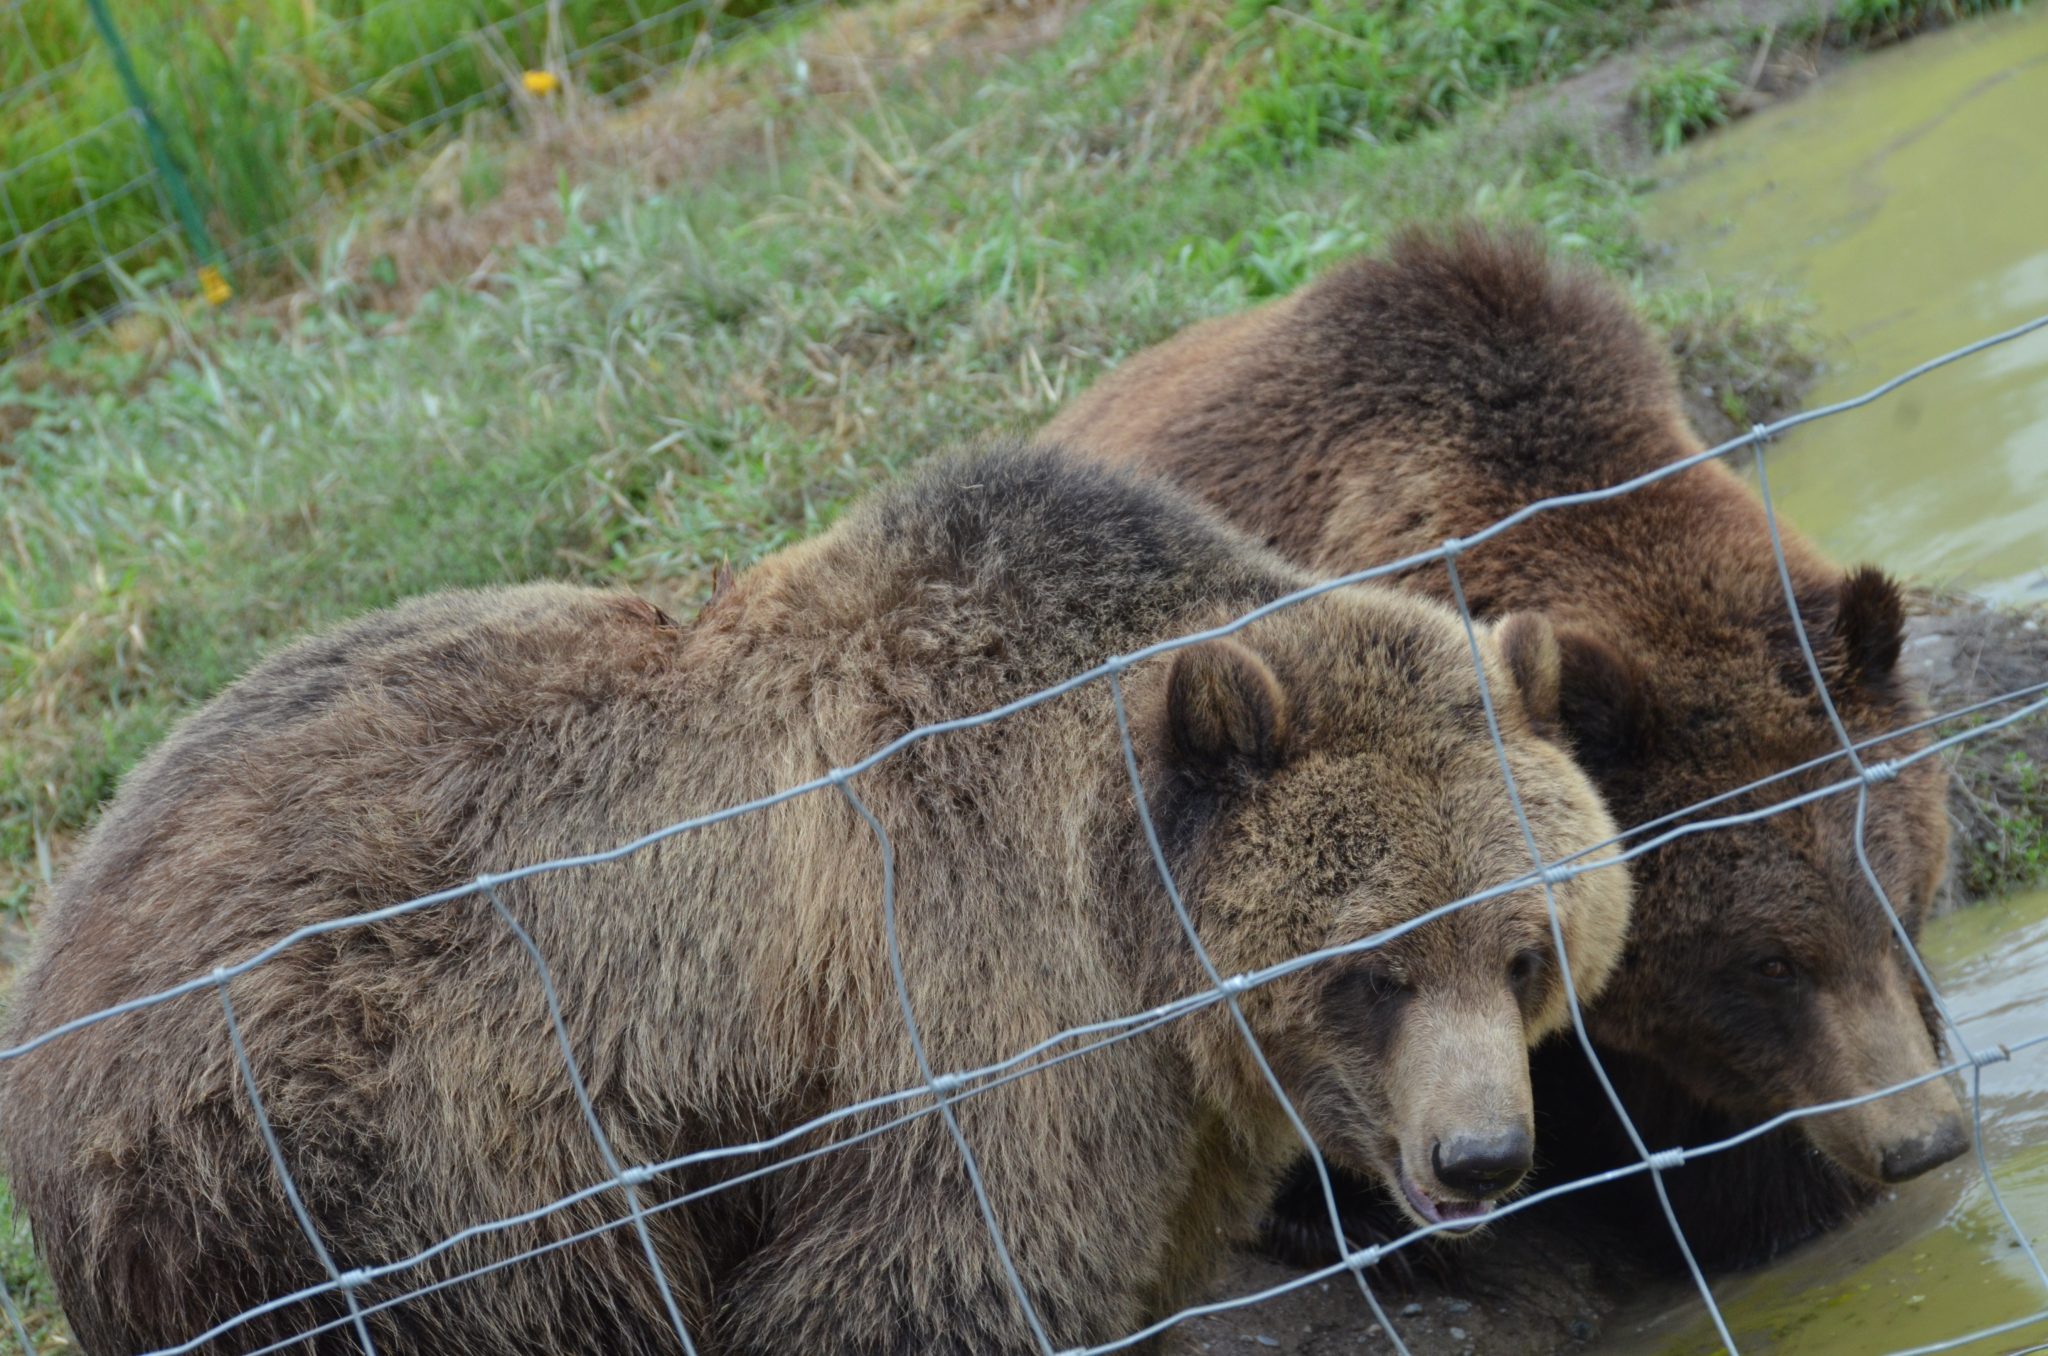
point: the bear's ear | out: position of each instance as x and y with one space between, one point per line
721 587
1226 713
1870 625
1603 702
1529 645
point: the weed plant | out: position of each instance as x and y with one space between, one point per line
1683 99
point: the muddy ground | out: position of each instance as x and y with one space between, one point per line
1545 1283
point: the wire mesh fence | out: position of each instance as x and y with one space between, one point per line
167 146
939 1092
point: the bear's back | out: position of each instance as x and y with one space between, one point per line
353 769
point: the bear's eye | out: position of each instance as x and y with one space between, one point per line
1368 985
1524 968
1777 969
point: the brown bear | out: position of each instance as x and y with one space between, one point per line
1403 401
1323 774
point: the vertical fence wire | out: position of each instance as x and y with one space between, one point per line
46 74
1657 1161
347 1284
629 1180
14 1322
1356 1260
1870 774
419 44
941 1088
21 244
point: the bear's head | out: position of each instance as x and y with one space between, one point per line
1331 776
1764 973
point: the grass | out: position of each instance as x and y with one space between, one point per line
1878 21
27 1285
268 106
1685 98
28 1288
1380 73
1754 357
2014 856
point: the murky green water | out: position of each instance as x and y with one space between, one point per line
1936 1262
1907 198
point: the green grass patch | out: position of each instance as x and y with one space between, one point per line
2013 856
28 1286
1747 358
1379 73
1877 21
1685 98
269 107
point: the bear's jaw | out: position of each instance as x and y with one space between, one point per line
1455 1215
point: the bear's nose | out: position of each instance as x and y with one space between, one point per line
1482 1165
1911 1157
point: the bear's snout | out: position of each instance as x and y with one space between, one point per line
1483 1165
1909 1158
1879 1042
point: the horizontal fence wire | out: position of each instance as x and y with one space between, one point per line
118 123
939 1092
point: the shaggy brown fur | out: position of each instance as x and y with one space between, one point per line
1403 401
1325 774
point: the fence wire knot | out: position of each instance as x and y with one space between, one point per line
1880 772
1362 1258
1759 435
945 1084
1235 984
1451 547
1554 875
1666 1159
353 1280
2000 1055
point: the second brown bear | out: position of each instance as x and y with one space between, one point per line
1399 402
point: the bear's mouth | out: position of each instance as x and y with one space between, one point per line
1458 1215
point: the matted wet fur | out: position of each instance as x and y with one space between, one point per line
1402 401
1324 774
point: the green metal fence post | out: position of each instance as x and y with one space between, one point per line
160 154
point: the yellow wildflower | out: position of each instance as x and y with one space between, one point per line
216 287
